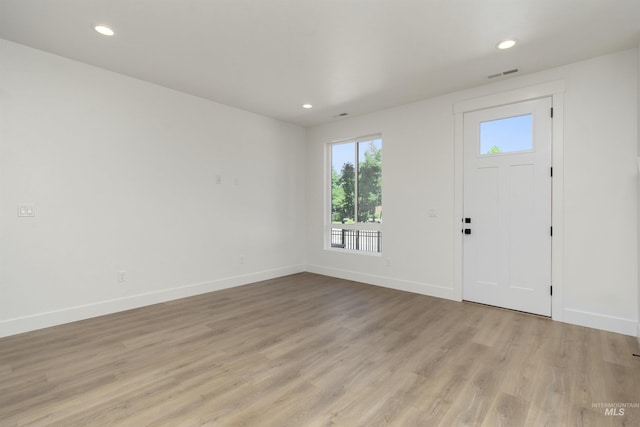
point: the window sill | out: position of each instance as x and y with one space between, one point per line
352 251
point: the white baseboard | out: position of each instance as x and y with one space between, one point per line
386 282
573 316
72 314
600 321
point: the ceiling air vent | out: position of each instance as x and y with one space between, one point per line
504 73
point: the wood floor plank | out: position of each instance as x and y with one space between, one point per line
506 411
311 350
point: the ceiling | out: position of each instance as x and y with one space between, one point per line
342 56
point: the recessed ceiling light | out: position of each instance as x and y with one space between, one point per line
307 106
104 30
506 44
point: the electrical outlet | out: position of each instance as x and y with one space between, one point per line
387 262
218 179
241 259
26 210
122 276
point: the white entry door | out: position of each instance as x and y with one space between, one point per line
507 206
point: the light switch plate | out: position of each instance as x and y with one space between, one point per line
26 210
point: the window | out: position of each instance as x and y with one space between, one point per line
509 135
356 194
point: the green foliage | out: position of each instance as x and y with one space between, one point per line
370 184
347 182
337 197
343 195
494 150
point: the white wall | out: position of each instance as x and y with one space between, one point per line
600 224
122 174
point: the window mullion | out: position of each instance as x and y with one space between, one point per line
355 186
330 192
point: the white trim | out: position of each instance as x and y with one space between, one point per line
557 209
375 226
328 168
458 206
555 90
357 139
353 251
600 321
43 320
510 97
72 314
386 282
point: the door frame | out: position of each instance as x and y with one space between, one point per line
555 90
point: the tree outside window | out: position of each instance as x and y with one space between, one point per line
356 181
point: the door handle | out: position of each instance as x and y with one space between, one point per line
466 221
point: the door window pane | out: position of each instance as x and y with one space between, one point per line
506 135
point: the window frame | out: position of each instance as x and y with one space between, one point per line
329 225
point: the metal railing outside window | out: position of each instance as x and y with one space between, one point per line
357 240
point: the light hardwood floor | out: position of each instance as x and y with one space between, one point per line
309 350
